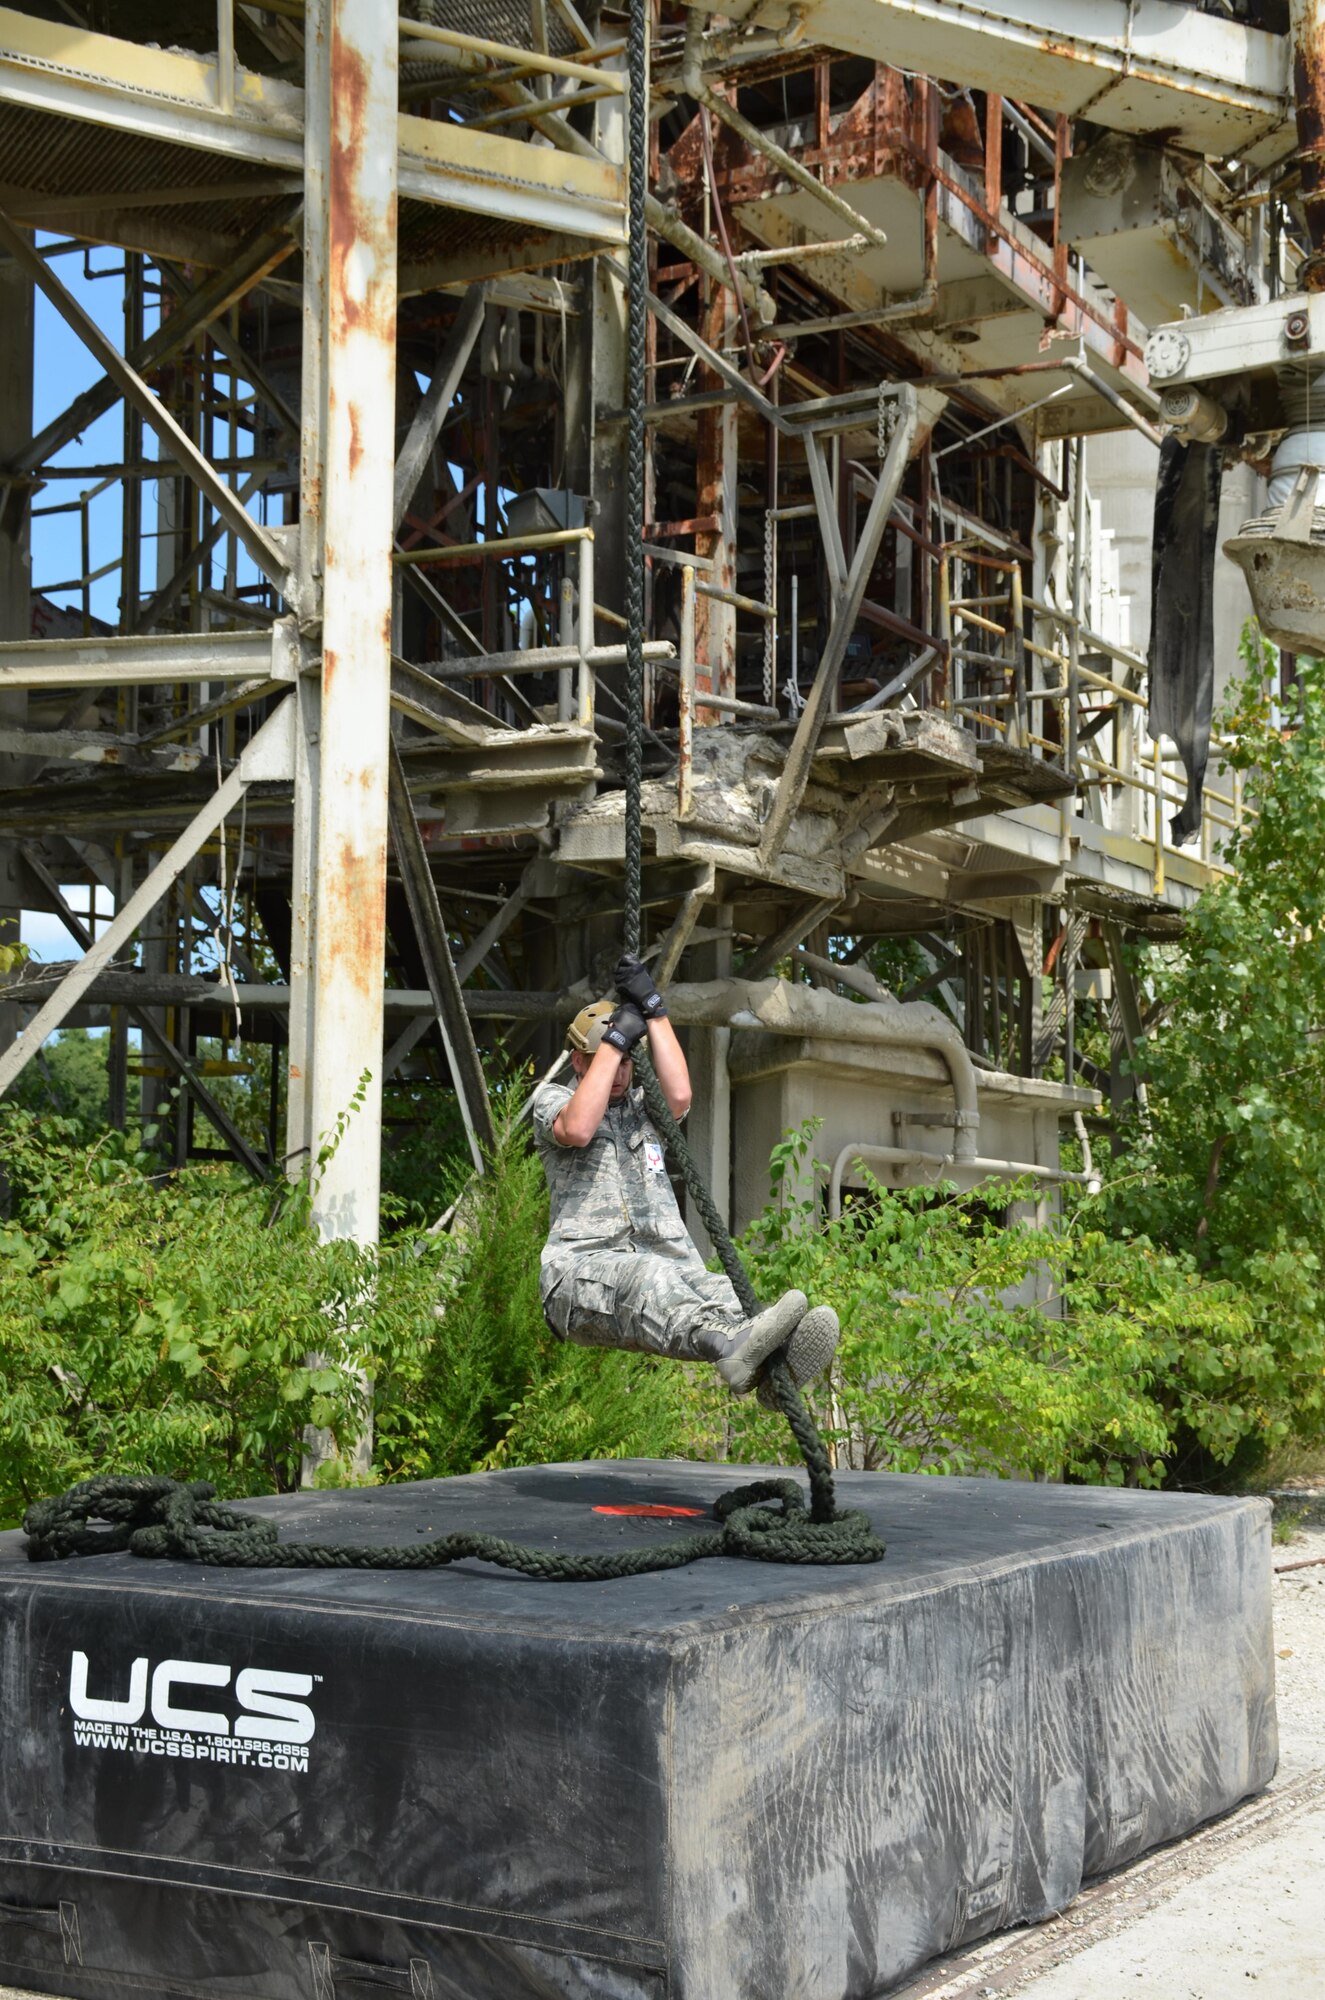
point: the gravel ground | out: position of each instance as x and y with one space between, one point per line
1299 1639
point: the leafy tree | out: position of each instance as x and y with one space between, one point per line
1228 1166
68 1076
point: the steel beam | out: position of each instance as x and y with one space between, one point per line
682 928
443 980
266 757
351 174
154 413
267 248
95 746
170 1053
220 336
798 925
155 661
62 211
300 1137
172 96
1210 84
474 954
174 587
431 414
16 385
846 609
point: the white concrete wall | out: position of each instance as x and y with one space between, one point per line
854 1092
1121 468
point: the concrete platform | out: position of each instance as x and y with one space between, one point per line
730 1782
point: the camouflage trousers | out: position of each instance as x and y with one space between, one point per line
659 1300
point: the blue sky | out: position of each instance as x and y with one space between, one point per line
63 369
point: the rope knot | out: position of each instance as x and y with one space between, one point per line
145 1515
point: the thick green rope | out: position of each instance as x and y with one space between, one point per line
827 1521
764 1522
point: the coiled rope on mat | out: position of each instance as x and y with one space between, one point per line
766 1521
182 1522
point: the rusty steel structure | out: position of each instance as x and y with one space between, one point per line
347 759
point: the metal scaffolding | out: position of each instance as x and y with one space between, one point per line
356 724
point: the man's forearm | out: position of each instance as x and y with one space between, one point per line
670 1065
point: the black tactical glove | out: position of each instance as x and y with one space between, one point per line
634 982
624 1028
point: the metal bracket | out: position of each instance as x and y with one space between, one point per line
269 758
1297 516
287 651
954 1121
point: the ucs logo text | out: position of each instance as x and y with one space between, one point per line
262 1692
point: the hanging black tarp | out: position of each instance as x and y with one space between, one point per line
1182 637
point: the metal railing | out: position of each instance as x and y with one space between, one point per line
1040 695
690 697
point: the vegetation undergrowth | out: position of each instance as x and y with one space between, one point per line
1170 1328
161 1322
1224 1166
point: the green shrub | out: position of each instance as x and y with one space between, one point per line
153 1322
1226 1167
157 1322
968 1347
161 1322
602 1403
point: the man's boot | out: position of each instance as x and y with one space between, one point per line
809 1351
751 1341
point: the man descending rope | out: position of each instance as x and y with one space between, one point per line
619 1269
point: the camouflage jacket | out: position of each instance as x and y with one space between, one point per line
612 1194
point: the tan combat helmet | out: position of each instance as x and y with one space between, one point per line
586 1031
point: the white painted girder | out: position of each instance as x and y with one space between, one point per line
151 660
1211 85
170 95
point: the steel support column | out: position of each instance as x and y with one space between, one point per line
299 1134
351 174
715 499
16 322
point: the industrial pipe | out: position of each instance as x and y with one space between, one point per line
773 1005
897 1156
1077 365
807 1011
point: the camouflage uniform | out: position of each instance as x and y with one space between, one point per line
619 1269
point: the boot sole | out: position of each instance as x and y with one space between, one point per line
809 1351
773 1328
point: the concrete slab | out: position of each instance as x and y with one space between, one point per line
725 1781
